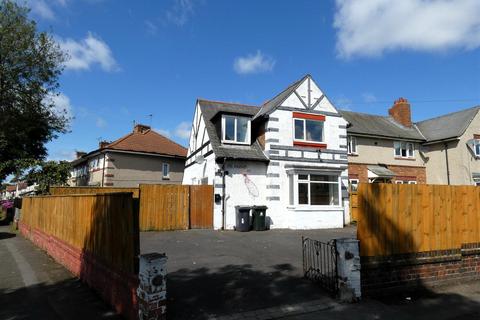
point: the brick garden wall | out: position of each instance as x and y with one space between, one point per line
399 273
117 288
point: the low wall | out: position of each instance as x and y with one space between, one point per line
117 288
403 272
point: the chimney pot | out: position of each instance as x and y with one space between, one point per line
80 154
400 112
103 144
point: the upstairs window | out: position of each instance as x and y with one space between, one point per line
404 149
476 144
352 145
235 129
308 130
166 171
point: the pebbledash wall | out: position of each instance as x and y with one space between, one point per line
390 274
115 287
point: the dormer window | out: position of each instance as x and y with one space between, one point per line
235 129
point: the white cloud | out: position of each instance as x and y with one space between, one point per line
371 27
253 63
369 97
100 122
183 130
180 12
61 104
41 9
152 28
87 52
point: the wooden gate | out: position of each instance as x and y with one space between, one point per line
201 207
175 207
164 207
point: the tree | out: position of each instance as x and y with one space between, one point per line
49 173
30 64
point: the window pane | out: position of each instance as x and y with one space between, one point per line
477 147
165 170
323 194
302 193
398 151
299 134
314 130
303 177
242 129
229 128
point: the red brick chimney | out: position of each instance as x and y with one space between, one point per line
400 112
103 144
80 154
141 128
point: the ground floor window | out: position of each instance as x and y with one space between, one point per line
406 182
315 189
353 185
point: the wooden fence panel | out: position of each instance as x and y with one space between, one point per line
88 190
396 219
164 207
201 207
100 224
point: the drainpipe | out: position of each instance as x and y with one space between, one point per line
224 207
446 161
103 170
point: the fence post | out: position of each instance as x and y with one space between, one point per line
152 288
348 269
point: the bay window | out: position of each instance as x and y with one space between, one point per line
315 189
403 149
476 144
235 129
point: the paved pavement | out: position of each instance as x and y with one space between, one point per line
33 286
213 273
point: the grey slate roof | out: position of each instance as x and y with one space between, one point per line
449 126
381 171
271 104
210 109
368 124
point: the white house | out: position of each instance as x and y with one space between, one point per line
289 154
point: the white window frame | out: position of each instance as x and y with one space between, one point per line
476 182
305 130
352 182
295 189
410 152
399 182
163 170
352 145
248 136
476 142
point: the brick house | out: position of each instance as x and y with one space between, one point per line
140 157
393 149
385 148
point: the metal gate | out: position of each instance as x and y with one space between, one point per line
320 263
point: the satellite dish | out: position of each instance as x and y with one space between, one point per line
200 159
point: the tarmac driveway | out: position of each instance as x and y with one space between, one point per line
214 273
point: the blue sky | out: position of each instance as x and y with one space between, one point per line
130 59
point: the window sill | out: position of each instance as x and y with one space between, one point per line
319 145
402 158
165 178
235 143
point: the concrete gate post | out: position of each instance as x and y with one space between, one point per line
348 269
152 288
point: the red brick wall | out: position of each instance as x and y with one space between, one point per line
436 268
116 288
359 171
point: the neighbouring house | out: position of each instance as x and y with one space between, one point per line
18 189
385 149
452 147
393 149
140 157
289 154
